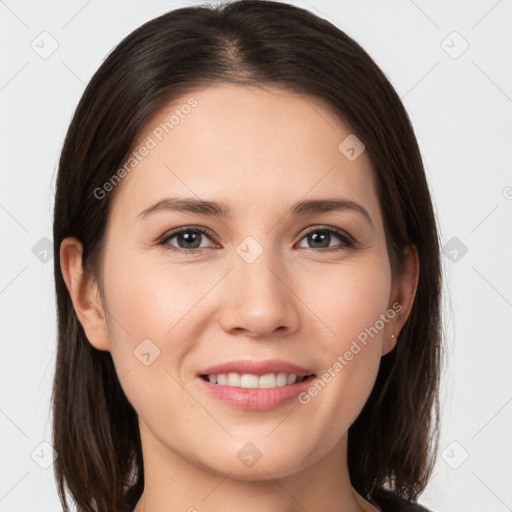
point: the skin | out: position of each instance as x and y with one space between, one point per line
259 151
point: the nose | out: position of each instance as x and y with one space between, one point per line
259 299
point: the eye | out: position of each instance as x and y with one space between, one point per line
321 238
186 238
189 239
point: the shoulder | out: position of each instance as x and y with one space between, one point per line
388 501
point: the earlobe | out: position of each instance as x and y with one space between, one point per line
402 297
388 344
84 292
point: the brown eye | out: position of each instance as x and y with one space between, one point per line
186 239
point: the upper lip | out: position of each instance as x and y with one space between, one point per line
256 368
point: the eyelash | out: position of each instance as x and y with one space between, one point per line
347 241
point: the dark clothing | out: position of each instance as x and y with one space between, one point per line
388 501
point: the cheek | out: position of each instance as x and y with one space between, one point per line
152 300
151 323
351 306
348 299
150 329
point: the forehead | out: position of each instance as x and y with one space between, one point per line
245 146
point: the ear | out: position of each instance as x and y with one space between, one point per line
85 294
402 298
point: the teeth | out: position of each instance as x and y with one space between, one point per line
281 379
292 378
233 380
247 380
267 381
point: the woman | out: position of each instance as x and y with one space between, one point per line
248 276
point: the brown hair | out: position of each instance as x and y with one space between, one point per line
394 440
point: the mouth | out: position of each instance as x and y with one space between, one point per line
250 374
252 381
255 385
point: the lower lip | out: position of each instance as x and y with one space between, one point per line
256 399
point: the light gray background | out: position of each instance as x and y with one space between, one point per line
461 109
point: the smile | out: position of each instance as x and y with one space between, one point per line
251 381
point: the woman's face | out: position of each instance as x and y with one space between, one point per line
252 277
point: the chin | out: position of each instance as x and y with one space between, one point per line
256 461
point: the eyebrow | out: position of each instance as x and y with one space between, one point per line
201 207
